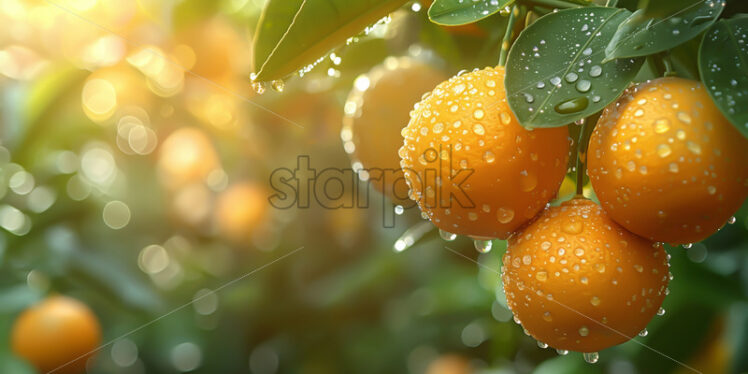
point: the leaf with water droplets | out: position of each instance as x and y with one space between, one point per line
723 65
555 74
461 12
294 33
647 32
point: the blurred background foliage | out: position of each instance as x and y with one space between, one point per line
134 167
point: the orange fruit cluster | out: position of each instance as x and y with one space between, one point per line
664 162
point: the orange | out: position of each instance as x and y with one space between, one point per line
55 332
578 281
240 209
666 164
376 110
470 165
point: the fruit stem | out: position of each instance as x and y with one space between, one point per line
506 42
668 63
584 139
560 4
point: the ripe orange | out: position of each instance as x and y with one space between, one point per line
666 164
376 110
578 281
470 165
55 332
240 209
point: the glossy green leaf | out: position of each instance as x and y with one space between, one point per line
645 33
460 12
294 33
555 74
723 65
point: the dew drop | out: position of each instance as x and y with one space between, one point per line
478 128
505 118
693 147
505 215
661 126
663 150
572 227
591 357
684 117
278 85
527 259
483 246
448 236
584 331
571 77
572 106
731 220
644 333
478 114
541 276
489 157
595 301
583 85
438 128
661 311
528 181
258 87
596 71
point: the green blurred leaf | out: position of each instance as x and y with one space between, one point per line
643 34
107 272
555 74
295 33
461 12
13 365
723 65
17 298
570 364
676 336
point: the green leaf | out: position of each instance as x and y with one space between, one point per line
723 65
294 33
555 74
645 33
460 12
